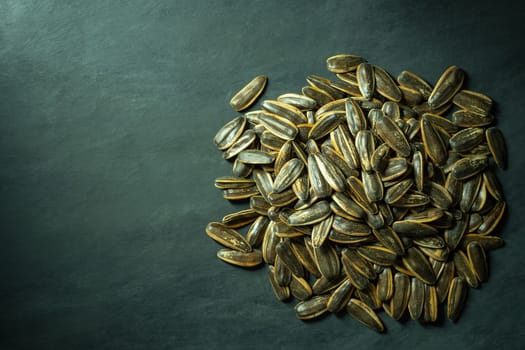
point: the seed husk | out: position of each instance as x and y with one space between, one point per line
456 298
256 157
287 111
228 237
430 307
317 94
492 218
249 93
281 292
318 183
229 133
413 229
300 288
312 308
240 218
464 269
466 139
434 145
241 259
377 254
416 300
340 296
478 260
355 117
473 101
343 63
321 230
364 314
416 262
467 167
447 86
385 285
240 193
454 234
373 186
413 81
287 175
358 279
255 233
395 192
326 124
389 238
392 135
497 146
327 260
298 101
332 174
465 118
366 79
386 86
399 301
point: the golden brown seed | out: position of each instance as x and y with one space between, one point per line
358 279
364 314
269 243
279 126
373 186
364 142
344 144
395 192
493 185
318 184
256 157
239 193
488 242
240 218
306 257
241 144
456 298
288 258
413 228
447 86
454 234
241 259
379 159
249 93
469 192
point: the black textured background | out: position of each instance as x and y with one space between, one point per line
107 111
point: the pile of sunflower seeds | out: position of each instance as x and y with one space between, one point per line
364 192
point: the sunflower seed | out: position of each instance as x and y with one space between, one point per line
392 135
340 296
435 148
299 101
327 260
467 167
365 315
447 86
228 237
284 110
497 146
229 133
416 300
242 259
414 82
399 301
343 63
473 101
492 218
478 260
456 298
386 86
366 79
416 262
464 269
326 124
281 292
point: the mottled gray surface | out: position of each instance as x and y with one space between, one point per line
107 111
